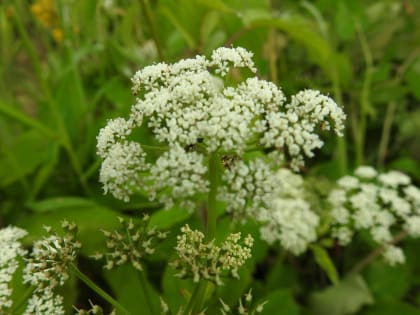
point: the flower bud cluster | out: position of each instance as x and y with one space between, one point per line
244 307
47 268
378 203
130 244
208 261
192 114
10 250
275 198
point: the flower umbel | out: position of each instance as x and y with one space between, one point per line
130 244
379 203
192 113
10 250
208 261
47 268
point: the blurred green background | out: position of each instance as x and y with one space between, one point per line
65 68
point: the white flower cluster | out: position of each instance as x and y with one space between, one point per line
45 302
275 199
289 218
177 175
10 250
378 203
47 268
294 128
192 114
207 260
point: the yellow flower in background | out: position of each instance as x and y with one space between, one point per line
57 34
45 12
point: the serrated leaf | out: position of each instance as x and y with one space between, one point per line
324 261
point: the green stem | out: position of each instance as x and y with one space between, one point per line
98 290
211 217
142 279
341 141
150 21
197 299
365 95
386 131
154 147
147 296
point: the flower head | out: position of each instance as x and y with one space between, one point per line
192 111
10 250
209 261
378 203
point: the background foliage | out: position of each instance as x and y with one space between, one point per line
65 69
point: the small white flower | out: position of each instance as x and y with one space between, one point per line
394 179
348 182
393 255
412 226
115 130
377 204
46 302
120 170
239 57
177 175
365 171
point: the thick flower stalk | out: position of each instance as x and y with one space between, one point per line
10 251
208 261
48 268
378 203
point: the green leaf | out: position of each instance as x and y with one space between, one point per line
298 29
233 289
324 261
60 204
129 290
218 5
250 15
280 302
344 22
176 292
346 297
10 111
28 151
90 219
189 39
164 219
386 282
